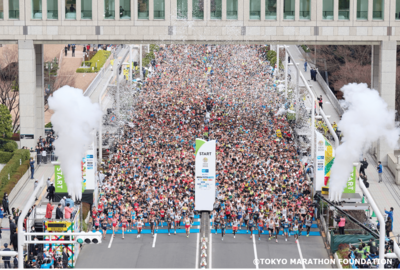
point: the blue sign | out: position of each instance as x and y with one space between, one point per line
320 157
204 170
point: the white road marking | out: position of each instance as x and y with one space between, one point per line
112 237
301 255
210 260
255 251
197 251
154 240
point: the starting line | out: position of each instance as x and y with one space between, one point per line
244 225
264 232
147 231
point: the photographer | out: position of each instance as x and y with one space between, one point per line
364 165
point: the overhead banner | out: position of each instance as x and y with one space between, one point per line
205 175
325 155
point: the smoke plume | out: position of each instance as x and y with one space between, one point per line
74 118
367 119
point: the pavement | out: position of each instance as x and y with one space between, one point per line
385 194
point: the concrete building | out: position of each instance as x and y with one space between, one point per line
35 22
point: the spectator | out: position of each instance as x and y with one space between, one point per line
49 210
70 201
364 165
32 165
341 223
305 66
34 187
72 8
59 212
51 190
62 202
65 258
15 261
48 182
66 49
68 211
379 169
390 215
320 101
44 156
6 204
7 259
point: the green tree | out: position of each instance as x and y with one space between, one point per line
6 128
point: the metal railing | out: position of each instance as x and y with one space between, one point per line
86 14
13 14
377 15
362 15
159 14
332 98
345 14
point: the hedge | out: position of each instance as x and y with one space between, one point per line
14 169
5 157
100 58
6 143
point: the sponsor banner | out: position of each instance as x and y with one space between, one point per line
205 175
351 183
324 157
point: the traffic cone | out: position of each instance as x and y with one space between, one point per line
373 214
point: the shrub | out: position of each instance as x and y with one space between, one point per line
48 125
305 48
12 167
86 63
10 146
5 157
100 58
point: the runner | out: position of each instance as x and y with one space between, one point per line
152 224
260 228
139 227
114 225
124 222
295 229
170 221
103 225
235 225
286 226
177 221
223 226
308 223
277 226
187 226
250 226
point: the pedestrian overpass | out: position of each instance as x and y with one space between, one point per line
31 24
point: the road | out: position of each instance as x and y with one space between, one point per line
178 251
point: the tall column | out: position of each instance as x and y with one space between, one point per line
27 92
386 87
39 90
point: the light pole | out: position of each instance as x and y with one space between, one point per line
277 61
286 70
140 60
130 66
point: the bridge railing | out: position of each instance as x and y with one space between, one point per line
332 98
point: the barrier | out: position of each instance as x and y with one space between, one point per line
332 98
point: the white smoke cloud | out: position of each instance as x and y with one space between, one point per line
74 118
367 119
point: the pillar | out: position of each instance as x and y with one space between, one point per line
384 80
31 100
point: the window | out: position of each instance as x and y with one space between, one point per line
52 9
198 9
362 9
344 10
125 9
36 9
255 9
109 9
143 9
270 9
288 9
13 9
305 10
231 9
1 10
397 10
216 9
327 10
159 10
378 9
70 9
182 9
86 6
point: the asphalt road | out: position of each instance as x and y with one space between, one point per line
178 251
175 251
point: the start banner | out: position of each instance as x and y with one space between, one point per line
205 175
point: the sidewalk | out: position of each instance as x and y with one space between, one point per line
23 195
328 108
385 194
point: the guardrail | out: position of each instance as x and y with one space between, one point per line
332 98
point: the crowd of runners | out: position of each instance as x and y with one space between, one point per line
223 93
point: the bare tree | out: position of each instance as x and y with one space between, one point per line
9 85
54 84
